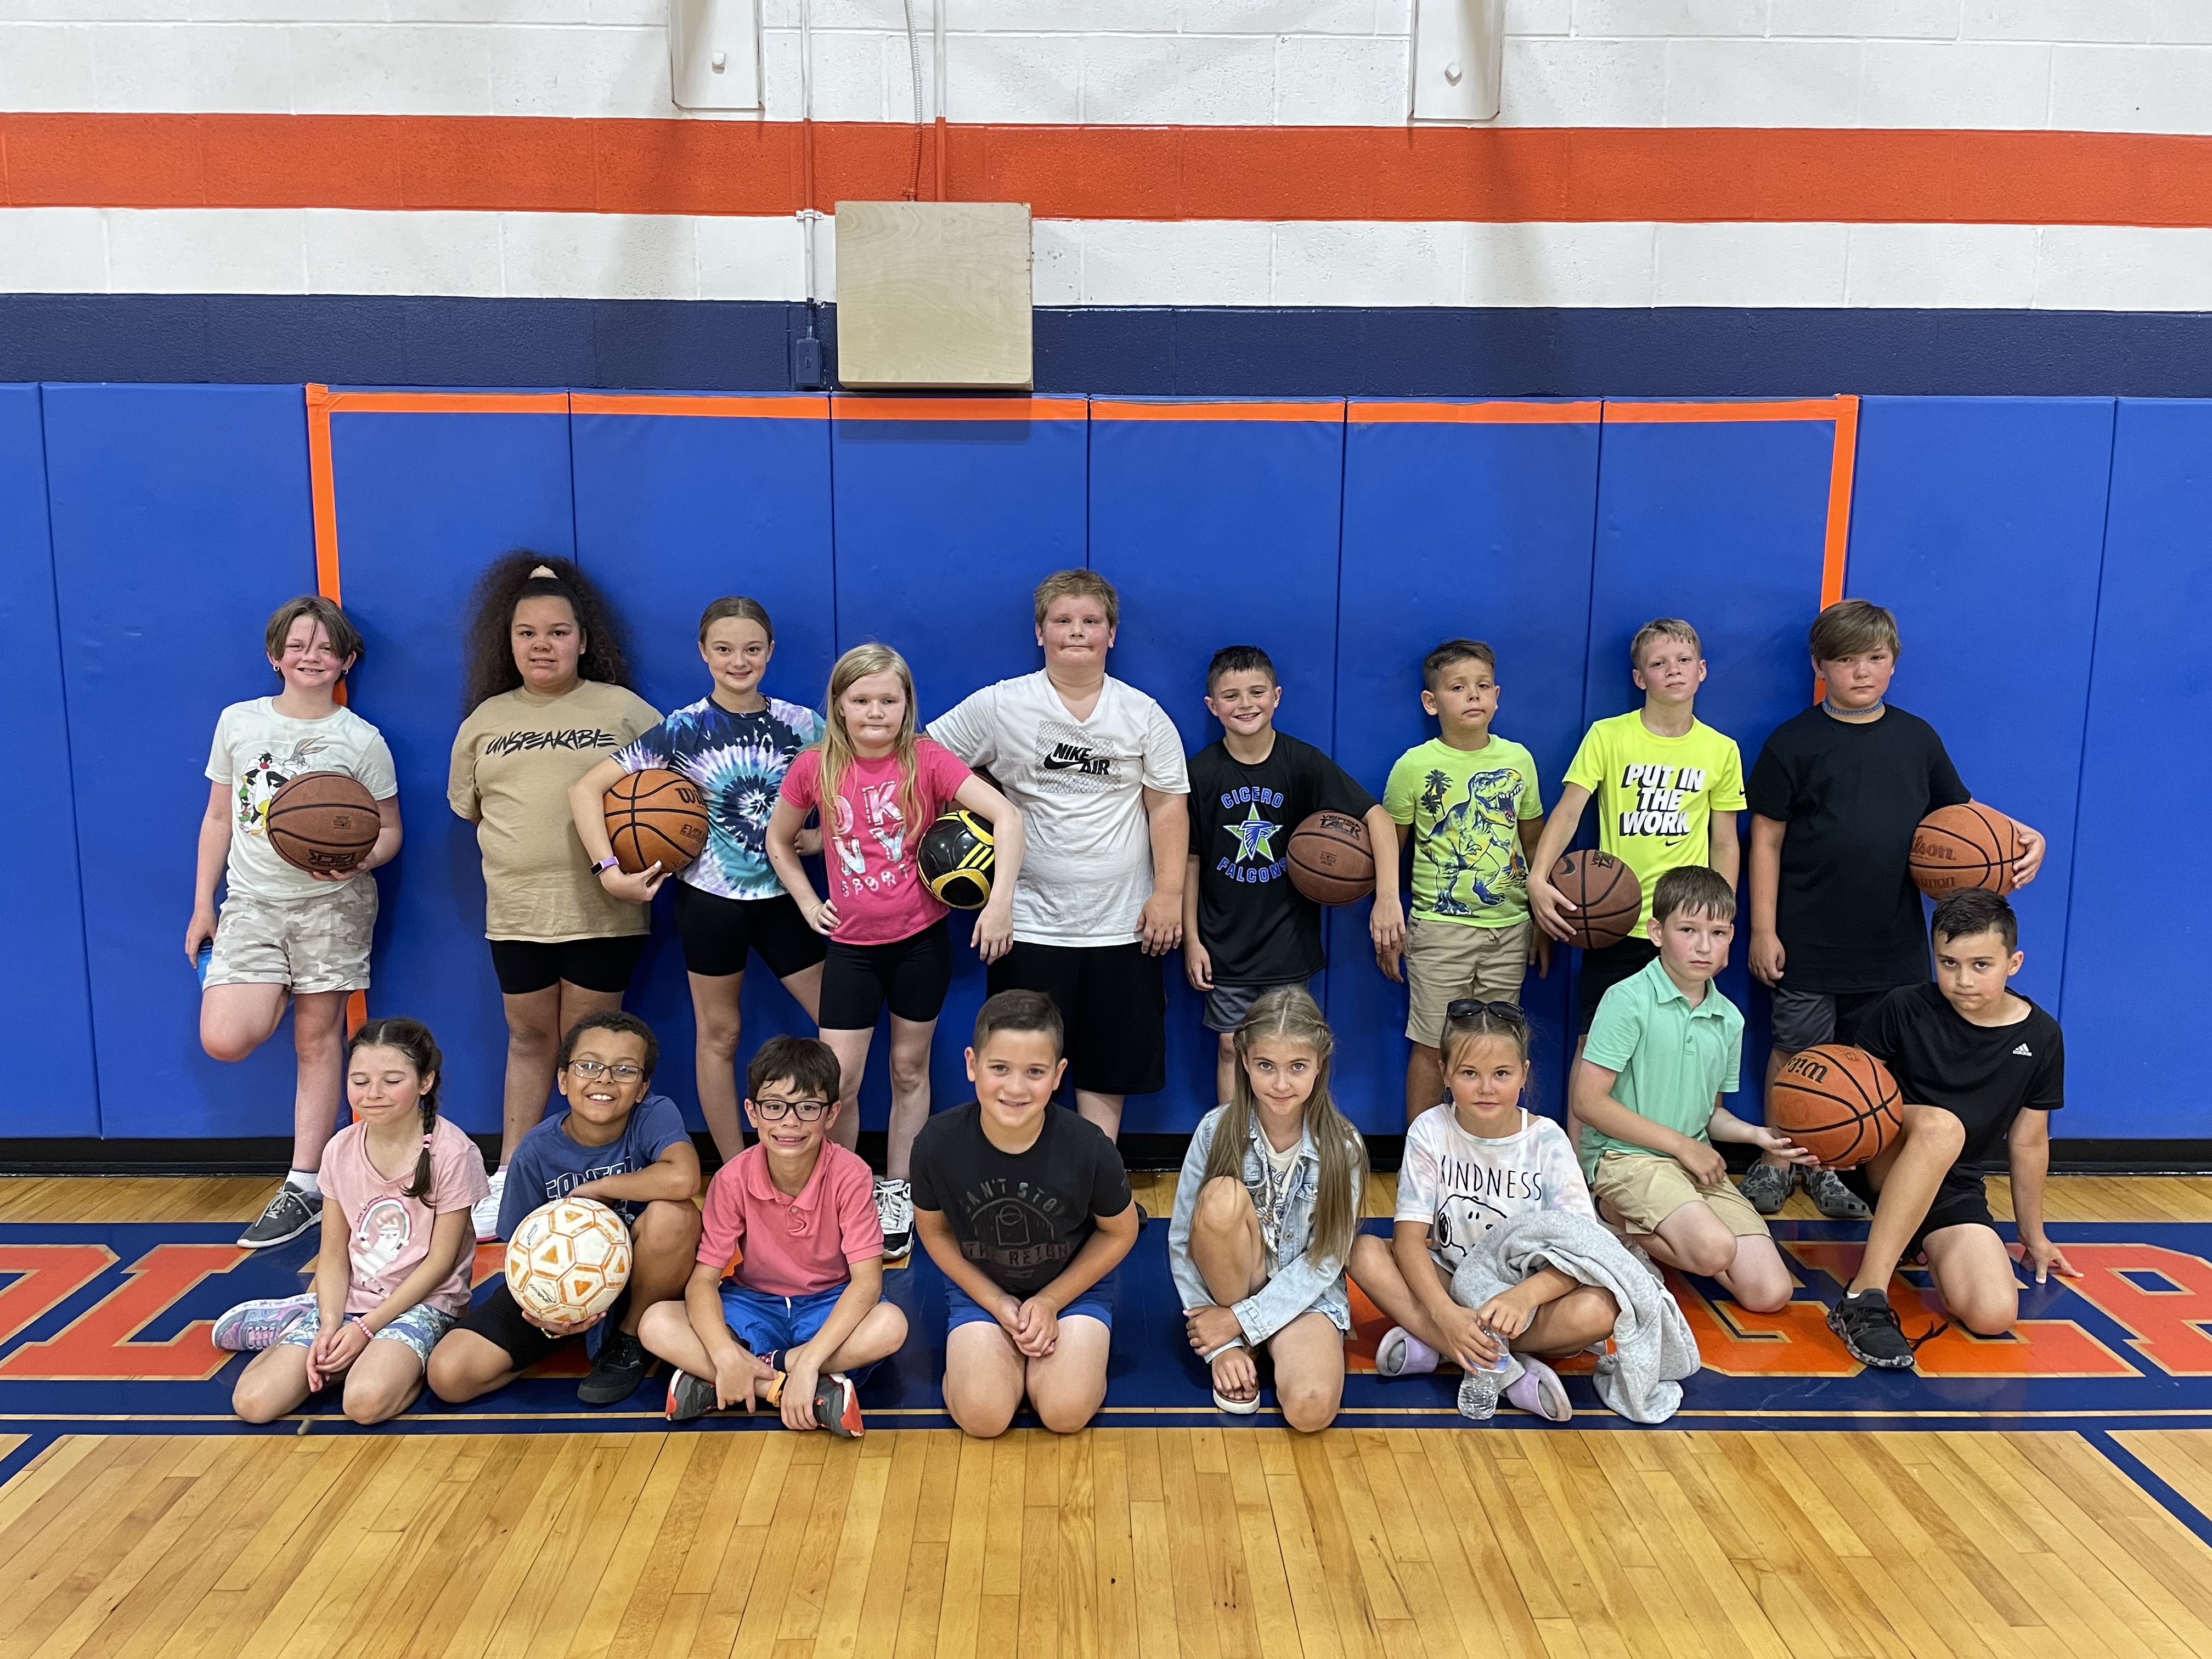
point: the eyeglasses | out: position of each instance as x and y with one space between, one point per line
592 1070
806 1111
1468 1007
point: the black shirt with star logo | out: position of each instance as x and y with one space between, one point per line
1257 929
1021 1217
1985 1075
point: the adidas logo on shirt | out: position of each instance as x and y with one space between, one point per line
2025 1049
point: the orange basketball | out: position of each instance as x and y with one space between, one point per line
322 821
1329 860
655 817
1967 846
1606 897
1839 1103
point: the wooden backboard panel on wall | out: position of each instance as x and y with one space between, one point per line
933 293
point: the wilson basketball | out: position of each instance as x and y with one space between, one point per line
322 822
1968 845
1839 1103
956 857
1329 860
1606 897
655 817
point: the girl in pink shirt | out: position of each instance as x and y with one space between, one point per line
878 786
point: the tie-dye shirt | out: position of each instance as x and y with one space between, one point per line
739 761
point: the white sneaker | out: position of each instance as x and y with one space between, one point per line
485 1213
895 1210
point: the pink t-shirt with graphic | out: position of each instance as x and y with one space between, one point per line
798 1246
867 845
388 1232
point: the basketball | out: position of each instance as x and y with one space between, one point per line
957 856
567 1260
1967 846
655 817
322 822
1606 897
1329 860
1839 1103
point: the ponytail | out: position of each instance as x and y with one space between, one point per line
413 1038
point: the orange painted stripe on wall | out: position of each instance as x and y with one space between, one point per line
535 164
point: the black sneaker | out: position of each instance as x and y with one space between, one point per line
689 1396
1833 1198
616 1372
290 1213
1869 1329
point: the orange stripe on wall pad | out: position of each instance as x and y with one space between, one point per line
1502 175
1330 410
893 407
1802 409
732 408
445 403
1477 414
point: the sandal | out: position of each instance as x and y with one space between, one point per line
1236 1407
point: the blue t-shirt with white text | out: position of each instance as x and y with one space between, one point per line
549 1165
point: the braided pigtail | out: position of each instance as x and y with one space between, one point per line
413 1038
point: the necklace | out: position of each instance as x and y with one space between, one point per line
1852 714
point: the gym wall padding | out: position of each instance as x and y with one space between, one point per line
181 521
947 519
717 495
1220 525
2135 966
424 502
1724 523
42 976
1985 537
1458 519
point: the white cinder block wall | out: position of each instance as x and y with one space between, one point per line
2068 66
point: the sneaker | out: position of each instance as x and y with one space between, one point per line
1834 1200
895 1210
252 1326
1401 1353
1869 1329
290 1213
616 1372
689 1396
485 1212
837 1406
1766 1187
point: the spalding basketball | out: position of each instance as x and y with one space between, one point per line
568 1259
1606 897
957 856
655 817
1967 846
1839 1103
322 822
1329 860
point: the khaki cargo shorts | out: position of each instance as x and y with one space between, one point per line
1642 1189
1448 960
320 943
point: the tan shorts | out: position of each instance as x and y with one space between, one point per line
1448 960
320 943
1642 1189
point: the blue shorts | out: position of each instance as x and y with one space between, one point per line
765 1323
961 1309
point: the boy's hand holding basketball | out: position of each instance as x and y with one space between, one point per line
1770 1140
2043 1258
2032 847
1550 908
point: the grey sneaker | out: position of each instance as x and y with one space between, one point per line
1869 1327
290 1213
252 1326
1766 1187
895 1212
689 1396
1834 1200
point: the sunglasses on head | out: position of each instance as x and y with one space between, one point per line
1468 1007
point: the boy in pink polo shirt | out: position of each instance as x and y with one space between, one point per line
802 1317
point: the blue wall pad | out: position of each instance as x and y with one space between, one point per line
425 501
1217 530
180 521
1455 525
946 523
672 511
42 978
1981 522
2132 970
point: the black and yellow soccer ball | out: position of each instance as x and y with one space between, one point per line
955 856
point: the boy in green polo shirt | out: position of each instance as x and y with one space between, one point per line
1664 1048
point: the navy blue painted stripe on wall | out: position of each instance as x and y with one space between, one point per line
1385 351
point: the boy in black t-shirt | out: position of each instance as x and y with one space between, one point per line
1025 1207
1979 1066
1835 918
1245 928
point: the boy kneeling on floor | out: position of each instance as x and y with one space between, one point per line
801 1319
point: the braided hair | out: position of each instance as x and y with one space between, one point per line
413 1038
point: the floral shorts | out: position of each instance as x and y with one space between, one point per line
419 1328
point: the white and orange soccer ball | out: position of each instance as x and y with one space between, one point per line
567 1260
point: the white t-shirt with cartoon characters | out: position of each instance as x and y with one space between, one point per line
256 751
1463 1185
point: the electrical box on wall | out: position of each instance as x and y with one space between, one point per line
1459 59
713 54
933 293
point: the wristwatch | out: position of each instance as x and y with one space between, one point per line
606 863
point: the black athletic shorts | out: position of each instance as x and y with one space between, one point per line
498 1319
911 975
1603 969
718 932
1113 1002
525 965
1962 1200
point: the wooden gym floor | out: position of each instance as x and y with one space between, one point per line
1141 1541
